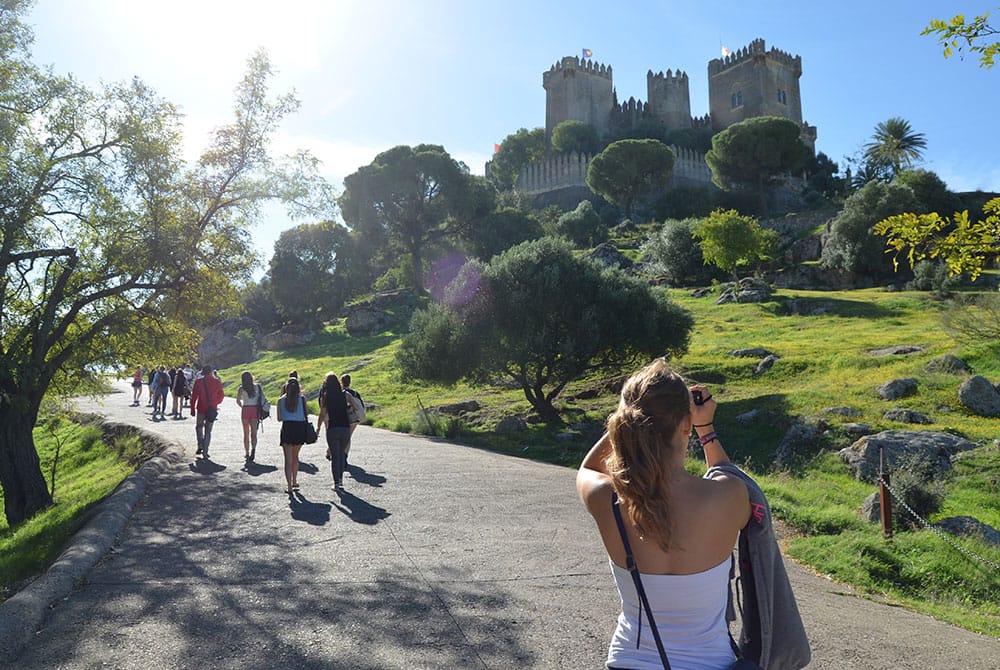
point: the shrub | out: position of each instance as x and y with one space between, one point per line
582 226
673 253
916 483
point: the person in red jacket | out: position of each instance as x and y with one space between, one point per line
206 396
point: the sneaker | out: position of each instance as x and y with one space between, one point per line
295 487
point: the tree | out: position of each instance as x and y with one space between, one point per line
954 32
517 150
965 245
895 145
930 191
582 226
821 174
853 245
729 240
310 271
501 230
109 245
575 136
673 254
627 169
755 152
410 198
543 317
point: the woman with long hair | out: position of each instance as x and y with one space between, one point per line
681 528
293 415
248 397
333 414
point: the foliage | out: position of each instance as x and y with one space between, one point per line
821 175
697 139
516 151
914 483
853 245
672 253
410 198
956 34
729 240
583 226
974 321
932 276
895 146
682 202
627 169
310 271
867 171
109 245
931 192
500 230
965 244
575 136
544 317
755 152
258 304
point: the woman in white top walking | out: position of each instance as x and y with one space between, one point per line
682 528
248 397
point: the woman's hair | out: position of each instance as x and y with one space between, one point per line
292 395
330 385
653 403
246 381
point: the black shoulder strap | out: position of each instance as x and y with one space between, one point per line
634 571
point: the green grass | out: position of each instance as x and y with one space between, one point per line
88 470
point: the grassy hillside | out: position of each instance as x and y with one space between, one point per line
826 360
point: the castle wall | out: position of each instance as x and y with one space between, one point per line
669 98
578 90
570 170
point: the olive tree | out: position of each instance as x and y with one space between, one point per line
542 316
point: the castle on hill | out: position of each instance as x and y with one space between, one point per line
749 82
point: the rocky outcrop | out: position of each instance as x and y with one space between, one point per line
367 321
895 445
897 388
288 337
511 424
949 363
748 289
456 408
229 343
969 527
607 254
906 416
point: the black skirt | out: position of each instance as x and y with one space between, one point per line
293 432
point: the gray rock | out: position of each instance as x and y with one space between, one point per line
607 254
752 352
511 424
225 344
856 428
749 417
701 292
905 416
980 396
843 411
456 408
897 388
765 365
748 289
288 337
900 350
938 448
970 527
798 438
367 321
948 363
871 509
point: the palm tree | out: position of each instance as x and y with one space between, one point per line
895 145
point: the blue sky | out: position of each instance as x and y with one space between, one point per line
372 74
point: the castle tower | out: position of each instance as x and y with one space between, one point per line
753 82
669 99
578 90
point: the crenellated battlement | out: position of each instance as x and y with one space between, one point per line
755 49
678 79
579 64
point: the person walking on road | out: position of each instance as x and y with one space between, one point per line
137 387
345 381
206 396
162 386
681 528
178 390
248 397
293 415
333 415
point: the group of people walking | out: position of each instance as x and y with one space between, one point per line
341 409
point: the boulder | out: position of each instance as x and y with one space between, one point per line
905 416
229 343
871 509
980 396
607 254
748 289
897 388
288 337
950 364
765 365
843 411
367 321
856 428
753 352
456 408
969 527
938 448
511 424
899 350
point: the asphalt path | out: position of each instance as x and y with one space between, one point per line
435 556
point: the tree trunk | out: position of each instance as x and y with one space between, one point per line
24 489
546 410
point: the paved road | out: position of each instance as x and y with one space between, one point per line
437 556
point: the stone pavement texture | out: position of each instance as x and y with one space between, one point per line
435 556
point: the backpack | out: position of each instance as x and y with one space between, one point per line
263 406
164 381
355 408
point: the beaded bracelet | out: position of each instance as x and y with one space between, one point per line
705 439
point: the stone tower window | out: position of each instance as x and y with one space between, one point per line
737 99
782 97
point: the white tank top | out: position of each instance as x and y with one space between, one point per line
690 612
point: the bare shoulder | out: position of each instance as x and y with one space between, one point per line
731 492
595 490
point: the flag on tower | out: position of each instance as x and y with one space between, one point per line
725 51
496 148
587 53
